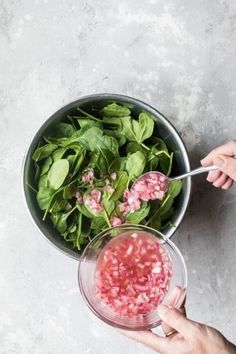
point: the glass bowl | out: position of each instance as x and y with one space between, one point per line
88 270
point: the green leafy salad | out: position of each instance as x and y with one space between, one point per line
85 167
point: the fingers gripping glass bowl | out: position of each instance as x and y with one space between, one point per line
92 266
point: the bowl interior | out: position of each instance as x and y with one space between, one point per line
90 103
87 278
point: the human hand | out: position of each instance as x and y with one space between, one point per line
191 337
223 158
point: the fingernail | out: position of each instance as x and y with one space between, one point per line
219 161
208 178
162 309
204 162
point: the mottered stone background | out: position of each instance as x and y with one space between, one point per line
178 56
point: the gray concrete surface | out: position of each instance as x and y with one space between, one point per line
178 56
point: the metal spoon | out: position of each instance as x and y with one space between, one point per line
196 171
167 180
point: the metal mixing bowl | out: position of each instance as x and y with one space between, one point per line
164 129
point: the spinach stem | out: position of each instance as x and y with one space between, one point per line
145 147
106 218
110 126
88 115
169 223
157 211
71 210
128 182
31 187
162 152
72 122
47 210
79 231
170 164
45 214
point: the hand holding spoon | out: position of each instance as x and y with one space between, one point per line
194 172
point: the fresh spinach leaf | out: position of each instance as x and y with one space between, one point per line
93 138
58 154
121 139
71 159
155 155
78 163
98 223
118 164
175 188
138 215
44 197
86 228
57 203
70 190
115 121
156 223
88 122
146 126
134 147
137 130
57 173
166 205
127 129
164 164
167 215
120 184
43 152
106 125
46 166
101 160
153 159
84 210
135 164
66 142
159 144
59 220
60 130
115 110
107 203
43 182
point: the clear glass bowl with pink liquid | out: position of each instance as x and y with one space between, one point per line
126 271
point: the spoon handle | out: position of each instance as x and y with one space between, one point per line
196 171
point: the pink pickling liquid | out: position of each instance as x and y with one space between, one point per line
133 273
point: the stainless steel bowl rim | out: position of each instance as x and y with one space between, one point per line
155 112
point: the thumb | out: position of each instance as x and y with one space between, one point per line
226 164
176 319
